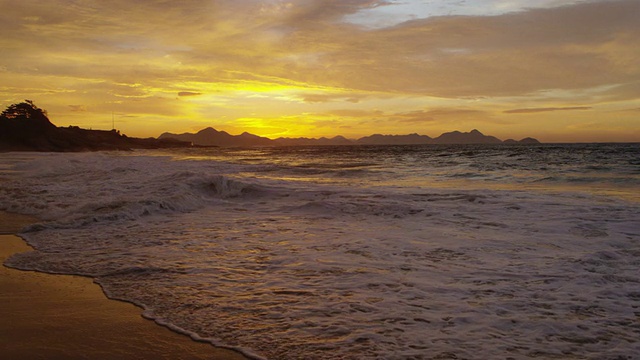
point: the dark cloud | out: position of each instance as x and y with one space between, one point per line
571 47
538 110
441 115
631 110
77 108
189 93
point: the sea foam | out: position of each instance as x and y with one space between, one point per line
284 264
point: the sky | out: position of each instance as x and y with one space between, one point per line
557 70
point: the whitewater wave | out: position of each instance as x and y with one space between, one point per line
79 190
345 269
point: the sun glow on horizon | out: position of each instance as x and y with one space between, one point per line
562 71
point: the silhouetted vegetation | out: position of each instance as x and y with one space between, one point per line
26 127
26 110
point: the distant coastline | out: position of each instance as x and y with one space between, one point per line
25 127
213 137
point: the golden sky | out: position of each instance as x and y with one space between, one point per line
557 70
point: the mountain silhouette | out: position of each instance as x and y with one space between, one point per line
472 137
25 127
527 140
212 137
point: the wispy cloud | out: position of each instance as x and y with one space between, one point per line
78 108
188 93
538 110
441 115
310 56
324 98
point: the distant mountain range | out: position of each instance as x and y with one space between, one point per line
25 127
213 137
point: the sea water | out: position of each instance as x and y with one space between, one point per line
353 252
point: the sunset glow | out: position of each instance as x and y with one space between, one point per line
560 71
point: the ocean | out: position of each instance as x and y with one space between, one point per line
353 252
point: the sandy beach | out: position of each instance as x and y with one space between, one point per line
48 316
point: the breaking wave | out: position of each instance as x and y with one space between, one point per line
362 260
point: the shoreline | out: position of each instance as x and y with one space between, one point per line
69 317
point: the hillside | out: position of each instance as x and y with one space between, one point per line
25 127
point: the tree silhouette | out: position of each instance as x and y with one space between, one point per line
26 127
24 110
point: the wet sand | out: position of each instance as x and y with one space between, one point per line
48 316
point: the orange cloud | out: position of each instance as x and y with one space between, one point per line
78 108
279 61
323 98
538 110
